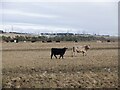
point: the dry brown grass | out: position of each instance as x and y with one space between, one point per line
29 65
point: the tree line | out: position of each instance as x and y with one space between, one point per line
56 38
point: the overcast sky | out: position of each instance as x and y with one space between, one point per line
75 17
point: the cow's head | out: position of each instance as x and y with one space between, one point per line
65 48
87 47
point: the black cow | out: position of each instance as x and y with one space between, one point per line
43 41
76 41
58 41
49 41
33 41
12 40
58 51
108 40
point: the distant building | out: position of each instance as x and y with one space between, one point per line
85 35
55 34
106 35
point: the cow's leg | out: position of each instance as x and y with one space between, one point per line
55 56
60 57
83 53
73 53
51 55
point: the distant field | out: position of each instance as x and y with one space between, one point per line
28 65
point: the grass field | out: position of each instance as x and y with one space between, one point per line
28 65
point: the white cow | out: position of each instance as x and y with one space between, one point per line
80 49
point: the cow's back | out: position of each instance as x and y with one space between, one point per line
56 51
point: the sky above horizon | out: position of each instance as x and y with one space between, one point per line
53 17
